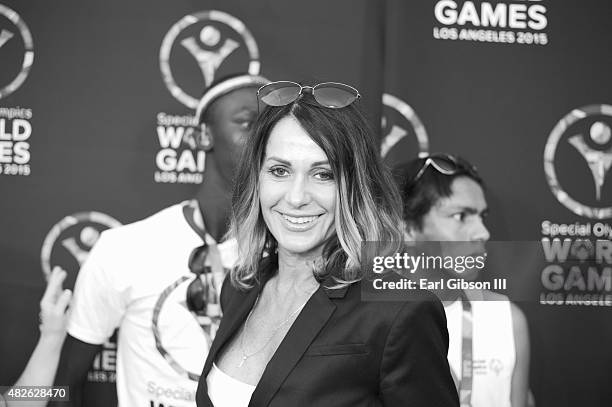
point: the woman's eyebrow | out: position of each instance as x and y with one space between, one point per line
287 163
280 160
317 163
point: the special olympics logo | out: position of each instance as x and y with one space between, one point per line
585 131
69 241
208 38
16 56
582 250
399 121
496 366
195 333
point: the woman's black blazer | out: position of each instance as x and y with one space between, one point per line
342 351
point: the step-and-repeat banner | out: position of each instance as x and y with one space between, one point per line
95 99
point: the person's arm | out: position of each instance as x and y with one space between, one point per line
97 307
414 368
41 367
76 359
520 375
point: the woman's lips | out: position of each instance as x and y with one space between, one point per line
299 222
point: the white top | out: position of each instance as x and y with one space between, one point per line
225 391
493 349
136 278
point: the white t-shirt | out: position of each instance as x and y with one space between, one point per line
136 278
493 349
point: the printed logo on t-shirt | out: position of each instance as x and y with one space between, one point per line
487 366
182 337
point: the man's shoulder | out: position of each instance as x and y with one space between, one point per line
153 225
489 295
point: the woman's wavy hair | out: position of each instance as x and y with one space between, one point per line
368 205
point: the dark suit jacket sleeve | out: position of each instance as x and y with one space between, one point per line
414 368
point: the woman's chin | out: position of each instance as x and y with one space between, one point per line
301 248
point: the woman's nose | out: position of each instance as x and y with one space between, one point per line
298 193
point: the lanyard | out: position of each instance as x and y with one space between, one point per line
465 387
189 209
214 256
212 262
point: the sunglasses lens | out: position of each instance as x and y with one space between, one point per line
334 95
197 259
279 93
197 291
444 165
197 296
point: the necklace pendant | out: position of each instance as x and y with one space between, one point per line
244 358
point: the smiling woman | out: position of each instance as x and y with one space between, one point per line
310 188
297 191
343 161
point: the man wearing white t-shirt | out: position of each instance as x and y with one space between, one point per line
488 349
158 279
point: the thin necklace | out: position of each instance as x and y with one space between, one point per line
245 355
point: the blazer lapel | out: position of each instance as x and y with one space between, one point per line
237 310
313 317
231 321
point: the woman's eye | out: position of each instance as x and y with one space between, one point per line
324 175
278 171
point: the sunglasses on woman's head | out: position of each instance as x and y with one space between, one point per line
197 291
333 95
445 164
